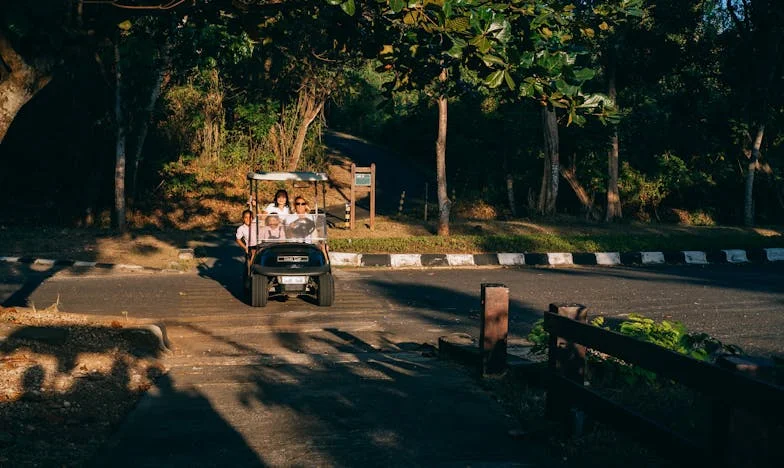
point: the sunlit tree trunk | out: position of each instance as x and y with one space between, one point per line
549 192
310 103
444 204
20 85
754 156
119 161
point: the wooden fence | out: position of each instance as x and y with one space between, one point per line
569 337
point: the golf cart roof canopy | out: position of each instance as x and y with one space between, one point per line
303 176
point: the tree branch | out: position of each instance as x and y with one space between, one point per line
10 56
742 29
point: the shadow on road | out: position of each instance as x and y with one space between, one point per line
30 281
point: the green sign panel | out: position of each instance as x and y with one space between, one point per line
362 179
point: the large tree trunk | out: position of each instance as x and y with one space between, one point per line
549 192
119 161
22 82
613 198
309 105
444 204
754 156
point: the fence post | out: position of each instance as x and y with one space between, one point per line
569 359
493 328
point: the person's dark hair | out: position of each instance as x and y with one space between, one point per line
248 212
279 193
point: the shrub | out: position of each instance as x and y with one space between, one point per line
669 335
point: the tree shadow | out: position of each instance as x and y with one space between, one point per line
350 404
23 281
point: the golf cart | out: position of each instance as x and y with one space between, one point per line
296 262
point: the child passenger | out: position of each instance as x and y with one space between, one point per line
280 205
246 235
273 231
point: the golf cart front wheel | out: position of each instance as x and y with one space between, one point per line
326 290
259 290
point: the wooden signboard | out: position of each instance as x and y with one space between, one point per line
363 179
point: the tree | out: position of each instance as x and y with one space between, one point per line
429 46
755 72
550 58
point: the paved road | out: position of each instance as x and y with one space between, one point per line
289 385
741 304
352 385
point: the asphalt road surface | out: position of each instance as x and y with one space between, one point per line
738 304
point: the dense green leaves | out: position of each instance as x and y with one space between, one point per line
696 81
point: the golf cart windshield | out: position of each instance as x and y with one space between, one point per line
310 227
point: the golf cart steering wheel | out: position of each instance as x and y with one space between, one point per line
301 227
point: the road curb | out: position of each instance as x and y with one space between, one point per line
348 259
690 257
79 264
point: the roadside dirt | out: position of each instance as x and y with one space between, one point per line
67 381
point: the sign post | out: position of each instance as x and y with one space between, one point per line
363 179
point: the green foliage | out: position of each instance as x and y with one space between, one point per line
178 181
539 337
665 333
669 335
256 118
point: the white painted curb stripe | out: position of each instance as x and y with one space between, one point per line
10 259
85 264
560 258
736 256
404 260
511 259
460 259
345 259
608 258
695 256
652 257
775 255
44 261
128 267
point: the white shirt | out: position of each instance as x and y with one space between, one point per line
248 233
273 208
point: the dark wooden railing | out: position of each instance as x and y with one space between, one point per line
726 389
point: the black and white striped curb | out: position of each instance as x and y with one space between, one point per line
693 257
558 258
47 262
